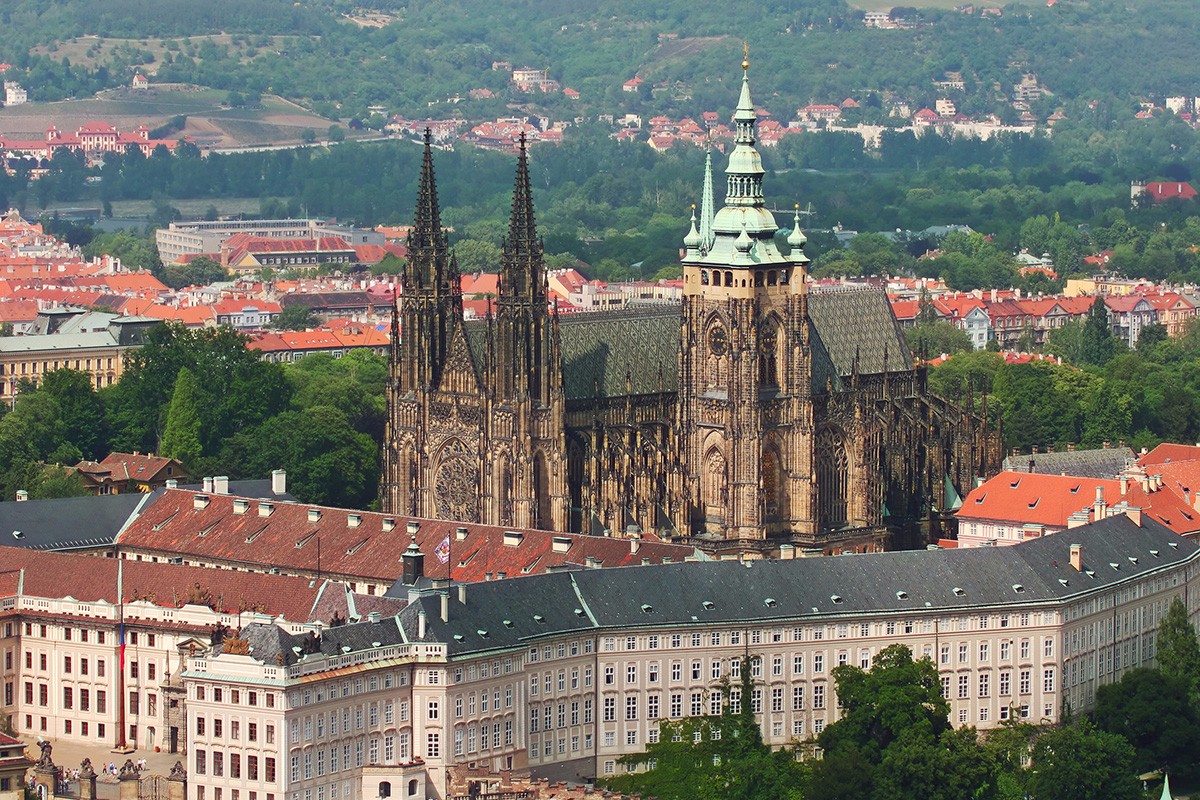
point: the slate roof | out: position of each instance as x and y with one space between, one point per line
505 614
1105 463
600 348
69 523
858 321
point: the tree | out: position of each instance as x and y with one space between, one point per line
238 391
1150 336
1080 762
937 338
80 415
1097 342
1156 713
717 757
199 271
327 461
294 318
894 727
476 255
1178 650
55 481
181 438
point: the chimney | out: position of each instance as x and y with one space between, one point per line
1077 557
221 484
1099 507
1077 520
414 528
414 563
445 598
1125 485
172 483
353 520
1034 450
1196 502
1049 448
240 505
462 594
207 485
635 544
1070 447
1106 444
787 552
200 502
23 495
1145 484
421 625
1135 514
373 616
278 481
265 509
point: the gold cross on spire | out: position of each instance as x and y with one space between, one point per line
745 55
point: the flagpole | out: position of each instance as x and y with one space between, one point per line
122 745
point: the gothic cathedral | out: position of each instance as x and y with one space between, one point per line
764 414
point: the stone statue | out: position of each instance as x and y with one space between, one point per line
47 749
86 771
128 770
178 773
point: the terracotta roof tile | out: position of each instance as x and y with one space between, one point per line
356 544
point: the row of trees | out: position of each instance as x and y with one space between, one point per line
893 741
204 398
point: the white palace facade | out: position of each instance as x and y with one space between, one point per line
559 675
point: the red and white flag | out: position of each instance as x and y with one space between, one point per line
442 551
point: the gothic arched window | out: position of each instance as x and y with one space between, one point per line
833 479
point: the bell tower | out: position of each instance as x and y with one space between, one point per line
745 372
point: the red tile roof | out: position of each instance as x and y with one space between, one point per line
1168 452
165 585
287 539
130 466
1049 500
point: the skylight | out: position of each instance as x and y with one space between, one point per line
837 598
647 608
901 595
709 605
770 602
958 592
1018 588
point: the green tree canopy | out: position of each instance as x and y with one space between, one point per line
181 438
1081 762
1156 713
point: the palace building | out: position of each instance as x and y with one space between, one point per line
764 414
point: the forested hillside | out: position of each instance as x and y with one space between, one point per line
1111 50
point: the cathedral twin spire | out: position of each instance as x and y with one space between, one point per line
521 264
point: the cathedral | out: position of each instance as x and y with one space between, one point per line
764 415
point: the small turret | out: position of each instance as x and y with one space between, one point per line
693 241
797 240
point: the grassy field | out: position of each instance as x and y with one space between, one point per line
276 121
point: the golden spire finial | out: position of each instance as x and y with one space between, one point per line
745 55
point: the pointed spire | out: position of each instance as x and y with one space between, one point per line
707 207
745 107
522 251
427 224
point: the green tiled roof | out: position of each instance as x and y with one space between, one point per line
599 348
857 321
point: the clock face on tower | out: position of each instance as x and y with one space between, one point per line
718 341
767 341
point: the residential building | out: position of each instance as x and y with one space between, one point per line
14 95
1016 506
1128 315
244 254
118 473
100 355
559 675
198 237
1158 192
287 346
244 314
